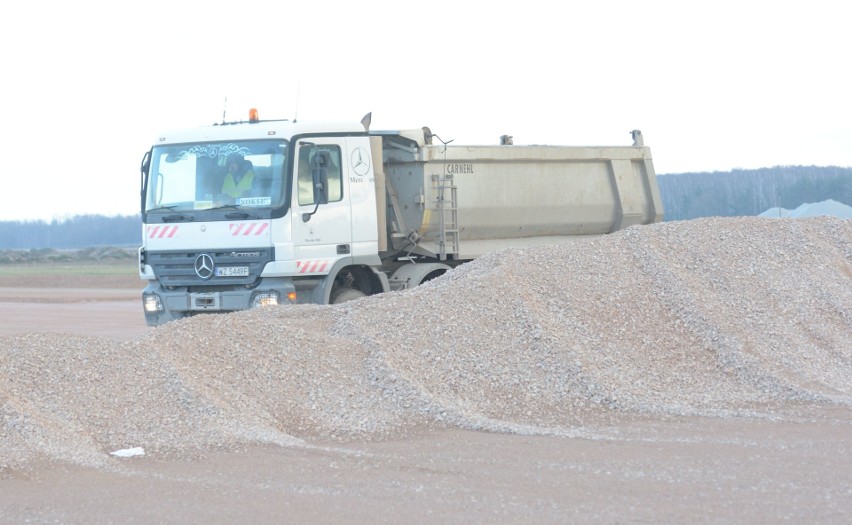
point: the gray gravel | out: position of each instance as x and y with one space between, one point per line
723 318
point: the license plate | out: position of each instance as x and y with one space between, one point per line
232 271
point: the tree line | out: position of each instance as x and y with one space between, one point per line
684 196
80 231
751 192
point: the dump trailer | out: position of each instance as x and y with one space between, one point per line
272 212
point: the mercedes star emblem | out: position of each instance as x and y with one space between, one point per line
204 266
360 161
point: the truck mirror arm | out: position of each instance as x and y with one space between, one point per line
320 197
307 216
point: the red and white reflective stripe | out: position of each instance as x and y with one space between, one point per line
160 232
250 228
311 266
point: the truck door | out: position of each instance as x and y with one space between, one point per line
327 234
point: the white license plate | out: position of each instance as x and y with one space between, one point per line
232 271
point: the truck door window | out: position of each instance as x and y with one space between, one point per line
305 179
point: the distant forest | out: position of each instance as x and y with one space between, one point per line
81 231
751 192
684 195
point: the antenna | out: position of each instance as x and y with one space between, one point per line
296 111
224 110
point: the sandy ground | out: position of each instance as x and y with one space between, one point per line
672 470
104 306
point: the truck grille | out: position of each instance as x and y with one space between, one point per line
178 268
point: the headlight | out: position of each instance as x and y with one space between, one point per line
152 303
265 299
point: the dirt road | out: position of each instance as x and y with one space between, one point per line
685 471
108 306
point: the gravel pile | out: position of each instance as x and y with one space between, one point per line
738 317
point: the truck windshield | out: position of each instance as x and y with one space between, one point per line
210 178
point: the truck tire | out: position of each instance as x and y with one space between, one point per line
341 295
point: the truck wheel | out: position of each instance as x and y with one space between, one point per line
341 295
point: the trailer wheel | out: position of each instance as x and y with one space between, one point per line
341 295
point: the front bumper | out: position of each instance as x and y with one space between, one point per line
162 305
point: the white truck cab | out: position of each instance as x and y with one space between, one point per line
213 245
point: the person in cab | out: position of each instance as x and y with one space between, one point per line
239 178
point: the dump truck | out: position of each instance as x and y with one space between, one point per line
255 213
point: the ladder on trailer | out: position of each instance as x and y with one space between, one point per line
448 217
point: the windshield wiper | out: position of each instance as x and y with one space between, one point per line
162 208
178 217
241 215
235 214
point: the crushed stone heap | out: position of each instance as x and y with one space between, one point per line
728 318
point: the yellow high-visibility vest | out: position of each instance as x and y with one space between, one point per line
236 189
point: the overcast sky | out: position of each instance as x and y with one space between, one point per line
713 85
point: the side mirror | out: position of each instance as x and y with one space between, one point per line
320 179
146 162
319 176
143 169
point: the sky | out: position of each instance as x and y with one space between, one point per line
713 86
